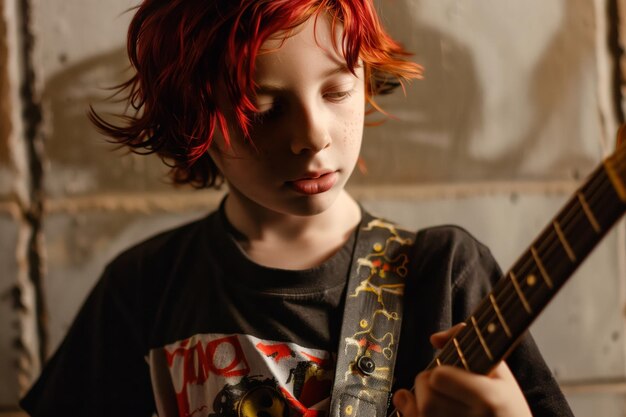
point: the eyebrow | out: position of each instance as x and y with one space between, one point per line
272 88
340 69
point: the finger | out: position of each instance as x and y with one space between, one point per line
502 372
404 401
431 403
441 338
515 398
473 390
496 394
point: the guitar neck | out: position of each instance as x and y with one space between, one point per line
517 299
501 318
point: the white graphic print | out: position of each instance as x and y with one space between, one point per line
217 375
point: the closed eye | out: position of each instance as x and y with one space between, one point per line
262 116
338 96
276 107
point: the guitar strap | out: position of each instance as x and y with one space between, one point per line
372 317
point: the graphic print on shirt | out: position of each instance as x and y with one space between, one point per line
217 375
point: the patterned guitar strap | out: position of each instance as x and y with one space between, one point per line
370 330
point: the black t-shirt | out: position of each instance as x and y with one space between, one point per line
185 324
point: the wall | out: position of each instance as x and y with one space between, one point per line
515 109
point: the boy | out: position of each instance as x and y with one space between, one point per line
238 314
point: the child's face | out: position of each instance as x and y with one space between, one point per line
309 129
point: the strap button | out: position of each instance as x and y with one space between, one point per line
366 365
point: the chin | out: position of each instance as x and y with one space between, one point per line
313 205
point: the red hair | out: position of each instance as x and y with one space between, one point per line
182 49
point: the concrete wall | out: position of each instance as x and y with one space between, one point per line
515 109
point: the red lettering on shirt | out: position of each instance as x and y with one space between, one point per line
277 351
199 362
237 367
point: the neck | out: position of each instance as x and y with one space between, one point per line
288 241
258 223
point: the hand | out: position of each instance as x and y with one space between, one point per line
447 391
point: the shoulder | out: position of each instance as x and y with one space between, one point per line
139 281
451 242
158 252
446 257
451 257
435 239
448 250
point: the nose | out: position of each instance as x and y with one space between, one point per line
310 133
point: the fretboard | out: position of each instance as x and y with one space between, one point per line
503 316
524 291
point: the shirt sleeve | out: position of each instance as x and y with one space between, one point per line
99 369
452 273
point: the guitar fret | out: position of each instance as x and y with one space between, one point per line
588 215
520 293
544 273
497 309
482 340
588 212
566 246
460 352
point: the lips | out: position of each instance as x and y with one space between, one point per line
314 183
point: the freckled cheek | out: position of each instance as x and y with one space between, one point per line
352 131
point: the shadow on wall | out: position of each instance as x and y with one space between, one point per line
444 117
81 160
557 80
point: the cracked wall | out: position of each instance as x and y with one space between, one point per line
19 345
518 104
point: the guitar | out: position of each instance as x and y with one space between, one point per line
502 317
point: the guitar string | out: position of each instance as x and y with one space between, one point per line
552 244
571 215
508 295
504 295
595 201
528 265
620 157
